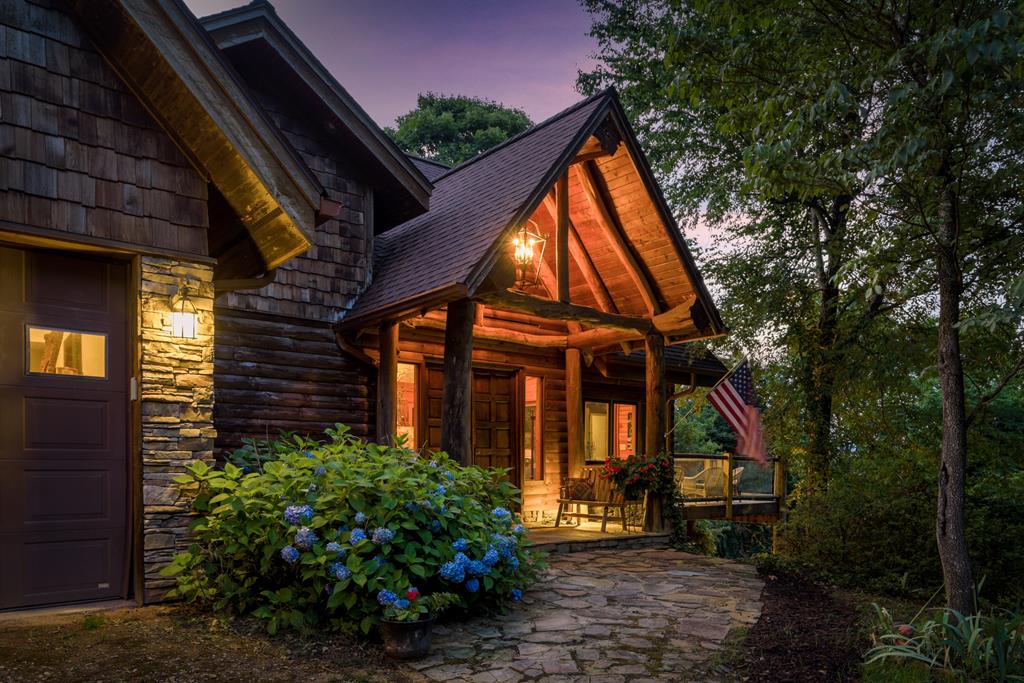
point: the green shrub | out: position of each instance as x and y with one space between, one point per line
976 648
332 534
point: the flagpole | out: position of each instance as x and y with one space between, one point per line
724 377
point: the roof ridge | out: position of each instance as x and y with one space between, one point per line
429 161
516 138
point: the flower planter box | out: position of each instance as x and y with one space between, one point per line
407 640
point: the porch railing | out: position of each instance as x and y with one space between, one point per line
729 479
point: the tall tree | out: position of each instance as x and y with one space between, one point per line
452 129
874 153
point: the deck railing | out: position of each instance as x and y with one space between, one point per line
729 480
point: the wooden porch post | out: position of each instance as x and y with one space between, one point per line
456 400
656 395
574 410
387 383
562 237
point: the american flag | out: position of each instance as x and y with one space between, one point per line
735 400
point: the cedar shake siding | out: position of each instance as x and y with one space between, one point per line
79 154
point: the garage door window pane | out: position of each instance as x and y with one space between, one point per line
65 352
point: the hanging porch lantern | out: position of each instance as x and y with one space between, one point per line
527 254
184 315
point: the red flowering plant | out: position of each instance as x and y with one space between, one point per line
639 473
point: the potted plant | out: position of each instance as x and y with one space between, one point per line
407 621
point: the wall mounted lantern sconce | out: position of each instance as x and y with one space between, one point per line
528 254
184 316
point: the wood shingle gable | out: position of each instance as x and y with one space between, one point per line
159 50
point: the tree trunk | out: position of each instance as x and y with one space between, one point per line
950 526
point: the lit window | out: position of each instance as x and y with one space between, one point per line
625 430
596 433
533 438
407 403
64 352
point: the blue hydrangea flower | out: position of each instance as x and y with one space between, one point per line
356 536
290 554
435 525
412 506
477 568
473 585
491 557
440 490
360 519
519 529
340 571
379 560
513 562
305 538
506 546
382 535
320 471
342 529
453 572
448 475
427 504
501 513
461 545
517 595
335 547
402 603
433 463
461 559
308 454
386 597
247 469
296 514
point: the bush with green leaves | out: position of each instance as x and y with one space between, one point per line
983 647
331 534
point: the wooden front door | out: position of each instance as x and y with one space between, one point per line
63 428
495 418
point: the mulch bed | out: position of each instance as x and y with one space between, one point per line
171 643
807 632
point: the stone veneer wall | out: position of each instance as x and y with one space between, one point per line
176 394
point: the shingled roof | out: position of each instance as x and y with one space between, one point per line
442 250
429 168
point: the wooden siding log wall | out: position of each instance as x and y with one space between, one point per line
285 374
80 154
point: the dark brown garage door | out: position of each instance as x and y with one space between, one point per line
63 428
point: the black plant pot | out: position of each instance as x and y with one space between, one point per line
407 639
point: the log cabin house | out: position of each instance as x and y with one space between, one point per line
204 238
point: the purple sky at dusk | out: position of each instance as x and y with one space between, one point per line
523 53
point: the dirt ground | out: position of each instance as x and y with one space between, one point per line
163 643
807 633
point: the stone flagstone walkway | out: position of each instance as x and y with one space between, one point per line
606 616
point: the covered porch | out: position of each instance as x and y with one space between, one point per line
542 315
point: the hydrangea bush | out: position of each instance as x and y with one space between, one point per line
335 533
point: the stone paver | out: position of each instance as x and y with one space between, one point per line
612 616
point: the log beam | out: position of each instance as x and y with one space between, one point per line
656 394
574 411
582 258
557 310
615 237
456 399
387 383
492 333
562 237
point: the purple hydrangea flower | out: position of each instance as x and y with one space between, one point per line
461 545
386 597
473 585
290 554
340 571
305 538
360 519
356 536
491 557
517 595
382 535
295 514
453 572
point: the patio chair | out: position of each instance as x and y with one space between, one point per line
707 483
